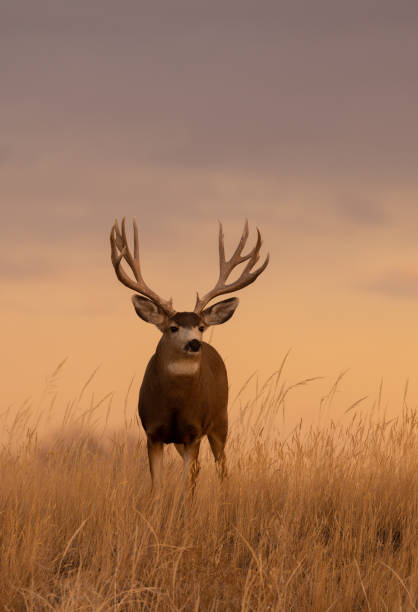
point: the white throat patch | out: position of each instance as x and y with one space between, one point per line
183 367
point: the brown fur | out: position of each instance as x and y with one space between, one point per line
186 319
184 393
184 409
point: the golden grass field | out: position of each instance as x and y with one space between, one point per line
324 518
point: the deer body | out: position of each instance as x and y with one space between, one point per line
184 392
190 405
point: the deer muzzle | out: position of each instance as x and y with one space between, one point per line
193 346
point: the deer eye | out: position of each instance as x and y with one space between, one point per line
174 329
202 328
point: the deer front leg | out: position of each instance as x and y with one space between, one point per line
155 458
191 466
217 445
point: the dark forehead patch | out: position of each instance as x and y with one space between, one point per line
186 319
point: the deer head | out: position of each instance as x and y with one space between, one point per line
182 331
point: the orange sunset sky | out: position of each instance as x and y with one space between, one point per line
300 116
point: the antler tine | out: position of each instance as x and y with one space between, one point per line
259 270
236 258
241 244
254 254
115 244
133 263
221 244
119 242
118 235
136 242
247 275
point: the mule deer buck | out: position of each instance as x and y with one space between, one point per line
184 392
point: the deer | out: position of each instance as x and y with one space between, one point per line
184 392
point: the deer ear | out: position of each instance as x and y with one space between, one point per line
220 312
148 311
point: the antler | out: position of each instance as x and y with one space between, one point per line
225 268
120 250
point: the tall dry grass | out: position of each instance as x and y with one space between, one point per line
325 519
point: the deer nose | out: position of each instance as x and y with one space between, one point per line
193 345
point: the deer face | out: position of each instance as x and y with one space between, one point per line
183 331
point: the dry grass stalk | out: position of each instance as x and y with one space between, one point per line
324 520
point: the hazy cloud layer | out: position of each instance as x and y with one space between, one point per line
396 283
297 87
363 212
24 268
298 115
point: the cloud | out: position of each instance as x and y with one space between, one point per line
289 89
396 283
179 113
363 211
33 266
